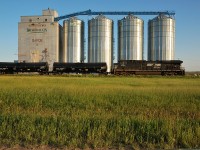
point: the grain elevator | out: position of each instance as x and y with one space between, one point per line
40 38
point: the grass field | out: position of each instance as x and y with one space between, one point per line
100 112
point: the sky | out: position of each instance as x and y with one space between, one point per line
187 47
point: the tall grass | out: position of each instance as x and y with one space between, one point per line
100 112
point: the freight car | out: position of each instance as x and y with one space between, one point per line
84 68
12 68
142 67
7 67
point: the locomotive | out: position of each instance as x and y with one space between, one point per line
143 67
123 67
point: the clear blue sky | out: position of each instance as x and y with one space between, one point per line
187 22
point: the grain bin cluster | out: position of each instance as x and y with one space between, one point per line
41 39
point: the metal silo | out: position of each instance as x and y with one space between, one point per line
73 40
161 38
130 38
100 41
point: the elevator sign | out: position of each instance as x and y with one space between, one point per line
36 40
35 30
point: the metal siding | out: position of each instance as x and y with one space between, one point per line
73 45
161 38
130 38
100 41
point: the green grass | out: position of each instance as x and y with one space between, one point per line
100 112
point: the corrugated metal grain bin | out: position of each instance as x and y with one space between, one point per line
73 40
100 41
161 38
130 38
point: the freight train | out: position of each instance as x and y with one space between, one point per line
123 67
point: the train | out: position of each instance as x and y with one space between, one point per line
123 67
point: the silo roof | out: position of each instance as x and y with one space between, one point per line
161 16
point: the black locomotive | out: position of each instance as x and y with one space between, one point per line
142 67
123 67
